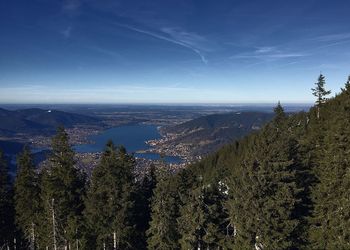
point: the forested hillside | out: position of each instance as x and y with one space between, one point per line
285 186
39 121
208 133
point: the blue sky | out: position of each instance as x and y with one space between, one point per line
171 51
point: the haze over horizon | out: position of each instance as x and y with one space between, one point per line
127 51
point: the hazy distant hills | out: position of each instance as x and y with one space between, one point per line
210 123
35 121
208 133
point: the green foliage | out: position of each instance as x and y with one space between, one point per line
62 189
288 183
192 220
331 216
284 187
204 221
163 232
27 202
109 202
279 114
346 89
277 192
143 198
320 93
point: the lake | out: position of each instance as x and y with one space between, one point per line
132 137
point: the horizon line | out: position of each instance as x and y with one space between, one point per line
170 103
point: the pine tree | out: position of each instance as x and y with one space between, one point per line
331 217
62 190
279 113
6 206
347 86
320 92
203 221
27 197
144 193
218 230
278 199
109 203
264 190
191 221
163 232
244 192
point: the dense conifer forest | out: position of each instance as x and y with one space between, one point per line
285 186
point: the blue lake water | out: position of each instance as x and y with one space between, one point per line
132 137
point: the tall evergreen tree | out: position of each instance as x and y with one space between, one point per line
6 206
144 194
204 222
320 93
163 232
279 113
62 190
218 230
27 197
331 217
192 221
109 203
244 191
264 191
278 223
347 86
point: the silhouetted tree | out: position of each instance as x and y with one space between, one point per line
320 92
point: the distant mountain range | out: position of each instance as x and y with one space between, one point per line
39 121
208 133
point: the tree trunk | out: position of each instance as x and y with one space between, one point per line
76 241
114 241
53 225
32 237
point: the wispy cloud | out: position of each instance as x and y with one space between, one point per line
265 49
118 93
331 44
104 51
111 94
333 37
284 55
329 40
23 87
71 5
319 43
269 53
182 38
67 32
